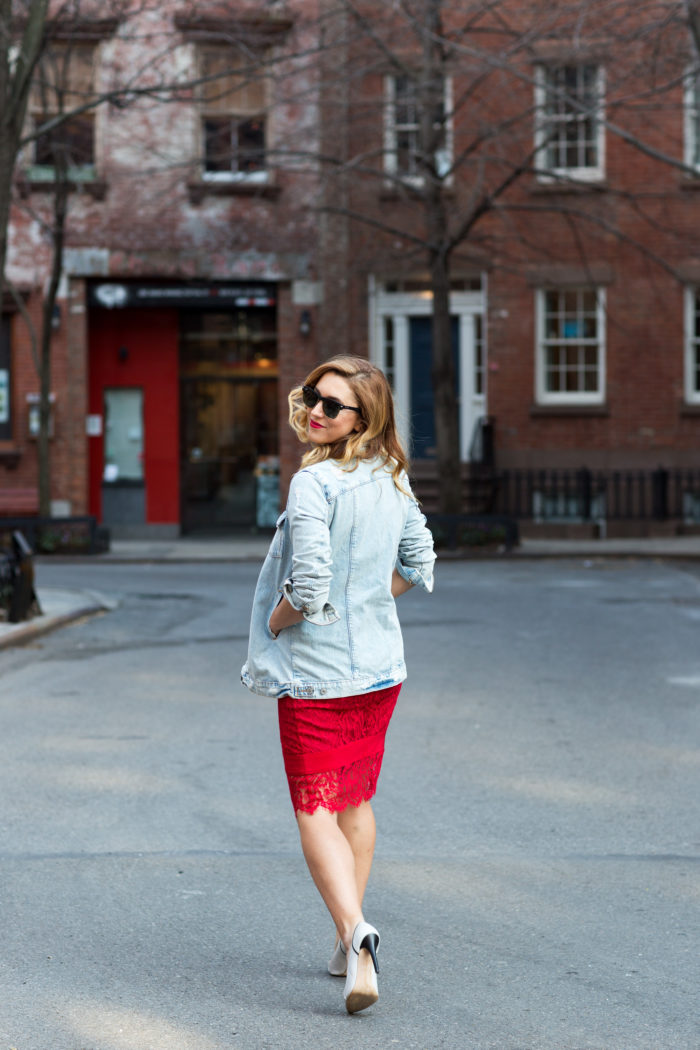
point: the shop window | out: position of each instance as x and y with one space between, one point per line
230 344
569 128
5 379
404 156
63 83
233 116
570 346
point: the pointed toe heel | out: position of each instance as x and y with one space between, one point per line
361 989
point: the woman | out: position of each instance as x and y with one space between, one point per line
325 638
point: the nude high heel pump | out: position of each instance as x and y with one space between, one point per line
361 982
338 964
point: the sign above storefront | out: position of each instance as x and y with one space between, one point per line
114 295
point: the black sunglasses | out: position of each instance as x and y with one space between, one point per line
331 407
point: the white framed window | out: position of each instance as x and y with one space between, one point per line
570 346
569 124
692 346
402 145
233 114
691 121
63 82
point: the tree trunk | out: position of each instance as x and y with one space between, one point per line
446 408
445 403
14 94
61 191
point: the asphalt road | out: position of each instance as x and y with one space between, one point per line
536 881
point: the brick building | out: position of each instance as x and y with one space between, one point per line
566 146
190 281
212 260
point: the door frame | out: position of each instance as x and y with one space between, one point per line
399 307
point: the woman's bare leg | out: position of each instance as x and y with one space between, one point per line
358 826
331 861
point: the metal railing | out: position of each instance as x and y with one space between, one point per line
594 495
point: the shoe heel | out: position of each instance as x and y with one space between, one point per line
361 988
371 943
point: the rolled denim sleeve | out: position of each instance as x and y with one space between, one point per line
416 555
308 514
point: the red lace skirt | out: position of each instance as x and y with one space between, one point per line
333 749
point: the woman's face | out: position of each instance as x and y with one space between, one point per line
321 429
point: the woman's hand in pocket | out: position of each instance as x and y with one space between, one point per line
284 615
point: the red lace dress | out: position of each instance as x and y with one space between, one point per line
333 749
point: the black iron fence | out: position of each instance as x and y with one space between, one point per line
595 495
76 535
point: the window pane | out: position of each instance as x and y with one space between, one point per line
71 143
570 125
123 435
571 303
218 153
589 302
234 146
571 366
251 145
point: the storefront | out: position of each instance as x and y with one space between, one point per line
183 429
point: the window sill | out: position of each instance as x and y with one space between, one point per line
544 411
689 408
95 188
573 187
411 190
197 191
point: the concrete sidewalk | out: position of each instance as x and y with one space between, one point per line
58 608
254 548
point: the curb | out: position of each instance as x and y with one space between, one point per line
22 633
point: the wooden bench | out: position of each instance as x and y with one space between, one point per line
15 502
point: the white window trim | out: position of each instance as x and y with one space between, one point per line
390 150
577 397
691 120
588 174
692 395
237 176
401 306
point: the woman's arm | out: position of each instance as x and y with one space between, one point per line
398 584
284 615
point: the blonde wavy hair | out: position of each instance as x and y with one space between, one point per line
377 436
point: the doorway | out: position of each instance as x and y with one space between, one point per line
228 419
229 431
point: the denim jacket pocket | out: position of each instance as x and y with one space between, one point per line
277 545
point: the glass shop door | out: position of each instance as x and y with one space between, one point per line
229 422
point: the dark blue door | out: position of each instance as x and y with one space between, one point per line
422 417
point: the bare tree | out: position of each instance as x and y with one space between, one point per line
21 41
455 184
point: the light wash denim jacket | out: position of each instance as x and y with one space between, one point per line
332 556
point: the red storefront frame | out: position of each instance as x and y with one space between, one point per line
139 348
